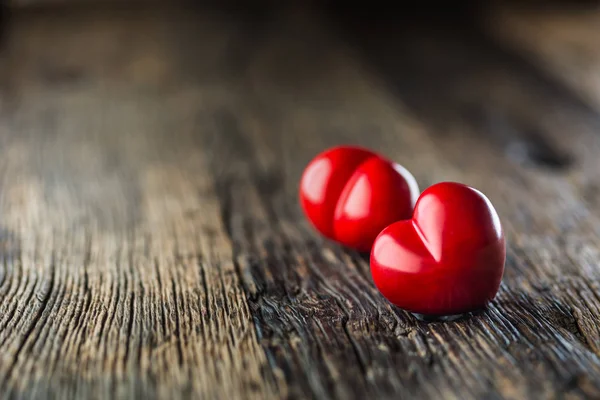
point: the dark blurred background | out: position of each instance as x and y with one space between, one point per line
446 62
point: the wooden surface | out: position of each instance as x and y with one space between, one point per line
151 241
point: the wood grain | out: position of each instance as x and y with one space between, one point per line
153 247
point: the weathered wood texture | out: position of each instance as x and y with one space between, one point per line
152 245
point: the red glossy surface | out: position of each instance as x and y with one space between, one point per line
448 259
350 194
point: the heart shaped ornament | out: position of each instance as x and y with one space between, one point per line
448 259
350 194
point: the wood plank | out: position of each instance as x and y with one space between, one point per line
153 244
119 277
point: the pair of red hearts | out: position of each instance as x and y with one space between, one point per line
439 253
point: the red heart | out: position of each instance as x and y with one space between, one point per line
448 259
350 194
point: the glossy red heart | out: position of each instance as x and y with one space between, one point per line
448 259
350 194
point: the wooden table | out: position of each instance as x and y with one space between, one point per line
151 241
